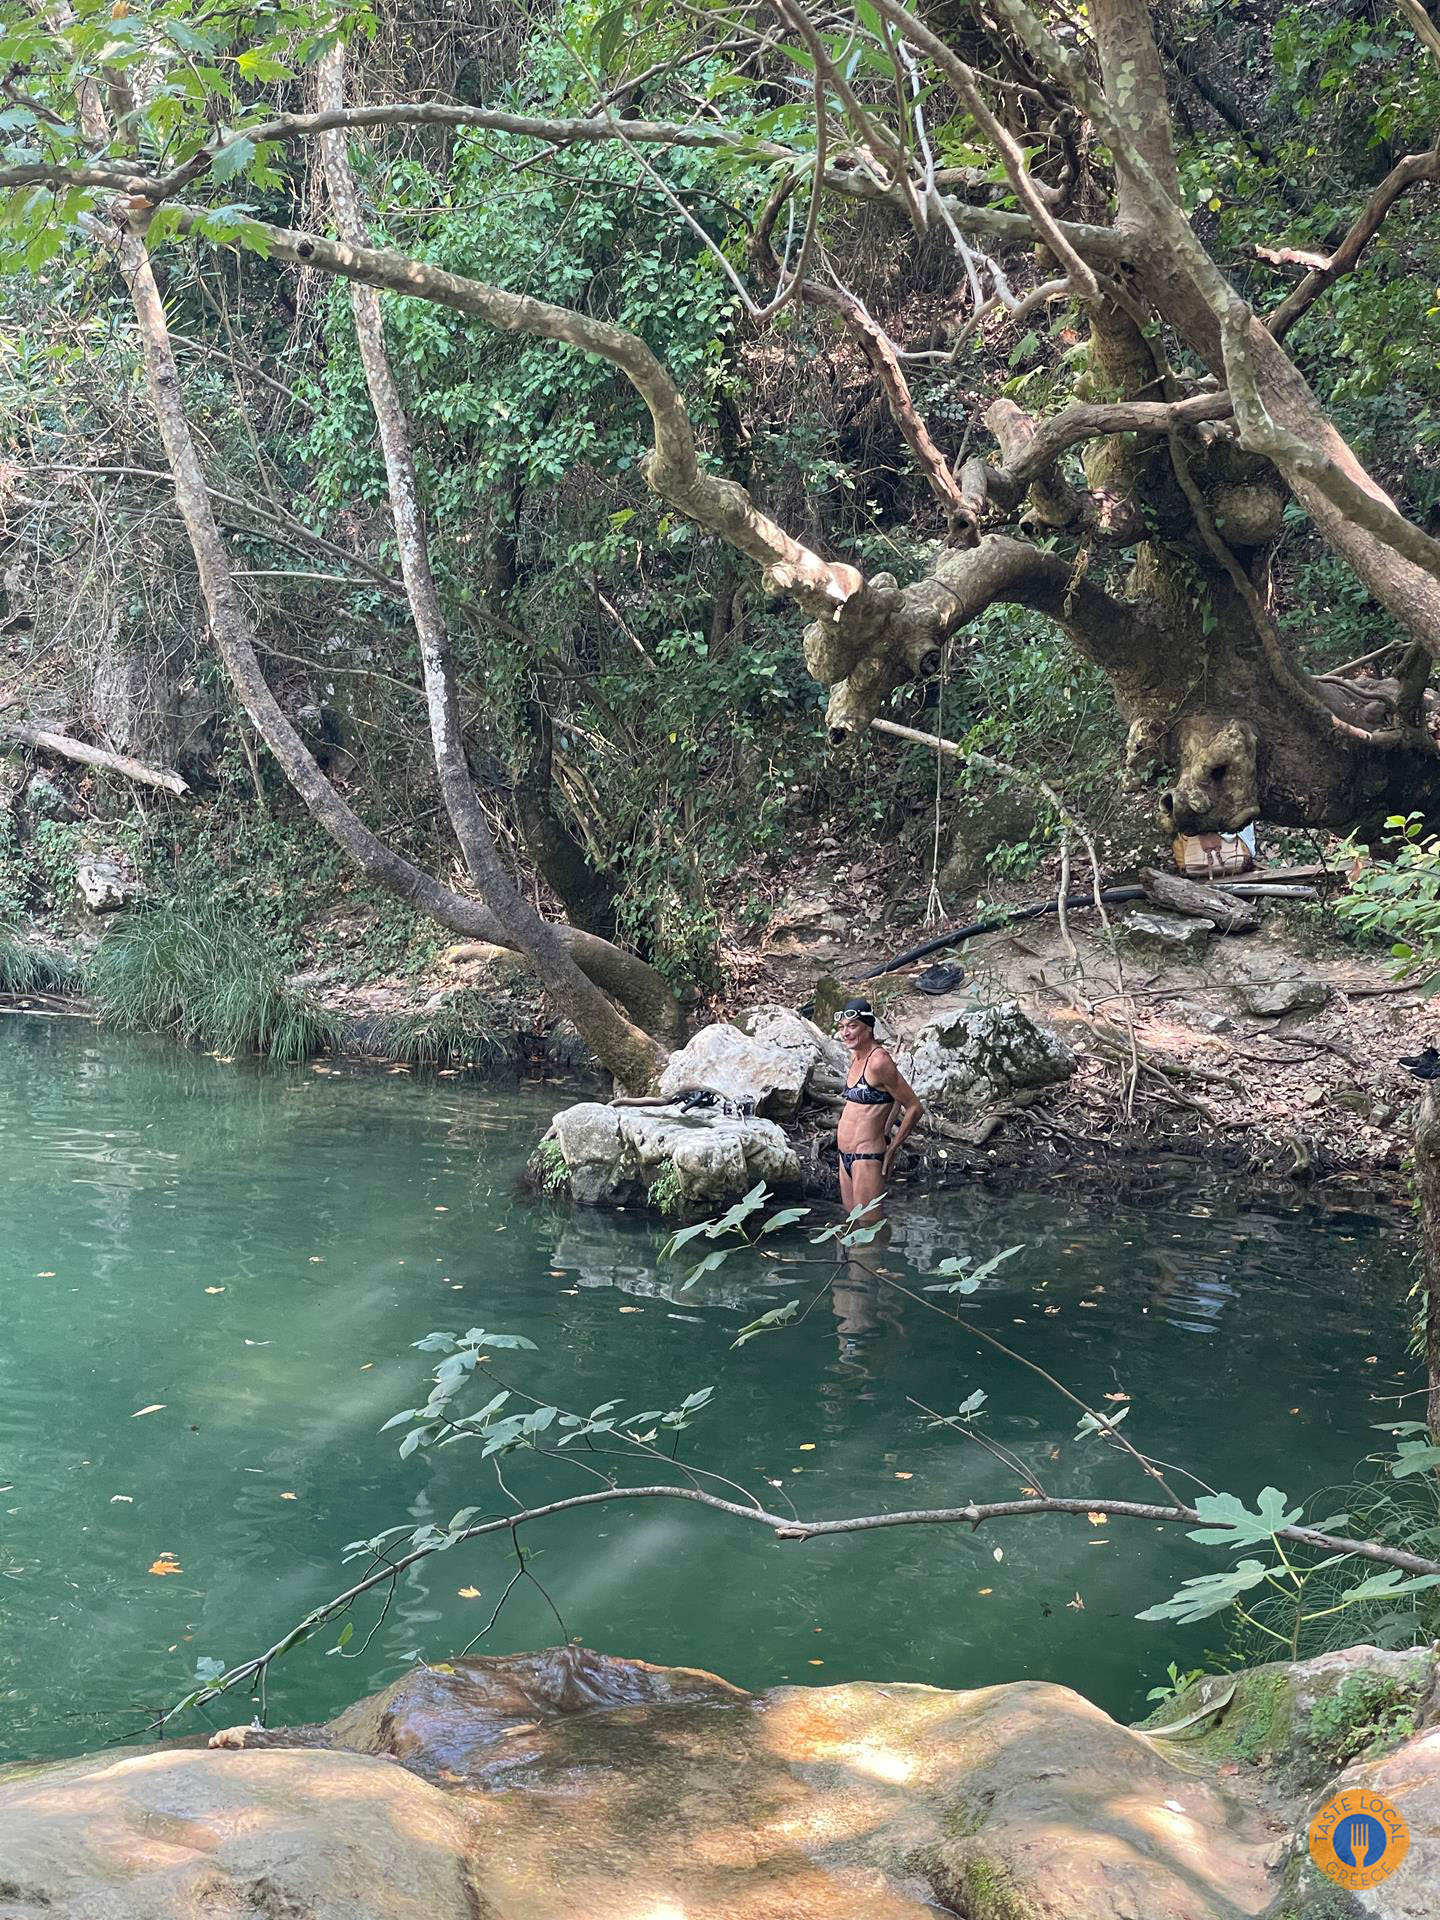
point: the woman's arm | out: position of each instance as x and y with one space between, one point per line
889 1076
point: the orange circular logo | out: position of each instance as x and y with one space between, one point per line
1358 1839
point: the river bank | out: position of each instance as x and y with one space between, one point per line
1274 1054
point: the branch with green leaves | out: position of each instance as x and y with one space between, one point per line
512 1425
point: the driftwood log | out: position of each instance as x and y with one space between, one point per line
1199 902
46 741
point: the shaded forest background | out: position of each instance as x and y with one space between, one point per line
638 715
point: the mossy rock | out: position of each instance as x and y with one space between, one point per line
1300 1721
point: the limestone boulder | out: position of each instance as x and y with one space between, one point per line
768 1058
616 1791
191 1834
1299 1722
1270 999
995 818
1167 932
970 1058
613 1156
105 884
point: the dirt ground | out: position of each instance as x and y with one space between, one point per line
1171 1060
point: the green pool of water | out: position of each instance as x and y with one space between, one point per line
251 1255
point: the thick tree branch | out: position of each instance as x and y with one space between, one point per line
672 469
1261 431
1094 421
1399 564
634 984
1414 168
47 741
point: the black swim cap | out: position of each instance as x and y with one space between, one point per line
856 1010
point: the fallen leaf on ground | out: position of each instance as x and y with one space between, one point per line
157 1406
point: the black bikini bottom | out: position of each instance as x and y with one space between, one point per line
847 1160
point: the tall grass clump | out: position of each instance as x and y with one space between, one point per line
459 1033
191 968
26 967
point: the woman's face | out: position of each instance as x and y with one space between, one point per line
853 1032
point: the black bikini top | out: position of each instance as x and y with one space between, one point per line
865 1095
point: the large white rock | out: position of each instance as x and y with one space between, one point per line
767 1055
968 1058
103 884
613 1155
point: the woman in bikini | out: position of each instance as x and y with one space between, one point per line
877 1099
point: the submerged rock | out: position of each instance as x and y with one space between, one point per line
614 1156
970 1058
767 1056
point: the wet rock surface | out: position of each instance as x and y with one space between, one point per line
562 1783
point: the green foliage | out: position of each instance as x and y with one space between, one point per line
1395 898
1175 1684
667 1190
1367 1714
27 967
190 968
461 1032
549 1159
